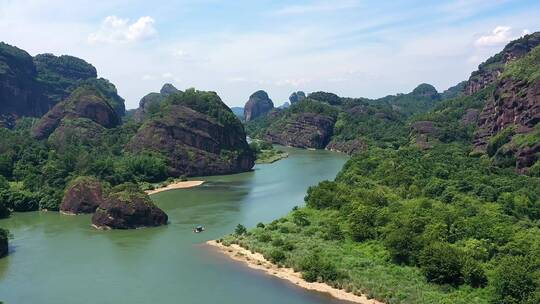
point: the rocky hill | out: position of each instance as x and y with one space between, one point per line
198 134
31 86
491 69
150 102
498 116
86 105
326 120
258 105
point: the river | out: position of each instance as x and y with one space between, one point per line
60 259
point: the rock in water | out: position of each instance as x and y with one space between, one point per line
258 105
198 134
3 242
83 195
128 208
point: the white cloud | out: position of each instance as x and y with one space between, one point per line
321 6
499 36
167 75
118 30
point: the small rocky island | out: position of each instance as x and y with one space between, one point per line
127 208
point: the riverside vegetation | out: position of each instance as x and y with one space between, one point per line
440 202
440 205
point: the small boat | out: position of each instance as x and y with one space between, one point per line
198 229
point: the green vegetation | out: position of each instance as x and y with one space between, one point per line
265 153
405 226
380 122
526 68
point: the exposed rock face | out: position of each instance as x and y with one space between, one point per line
19 92
128 210
258 105
514 103
83 196
424 132
297 97
350 146
470 117
305 130
32 86
526 157
150 102
194 142
489 71
84 102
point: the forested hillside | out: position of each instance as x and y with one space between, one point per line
442 204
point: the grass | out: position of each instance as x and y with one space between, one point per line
270 156
362 268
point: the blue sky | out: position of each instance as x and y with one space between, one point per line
351 47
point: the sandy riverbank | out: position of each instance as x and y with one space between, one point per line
177 185
257 261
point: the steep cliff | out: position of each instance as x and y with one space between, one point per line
31 86
85 102
258 105
491 69
198 134
506 125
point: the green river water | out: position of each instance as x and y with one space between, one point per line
60 259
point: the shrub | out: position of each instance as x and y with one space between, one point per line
300 218
473 274
323 196
441 264
260 225
514 280
277 256
277 242
264 237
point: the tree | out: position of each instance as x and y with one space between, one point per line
514 280
442 264
240 229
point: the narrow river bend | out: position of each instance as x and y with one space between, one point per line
60 259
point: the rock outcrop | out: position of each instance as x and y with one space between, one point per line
304 130
150 103
258 105
31 86
297 97
4 245
470 117
128 209
83 195
514 103
489 71
198 134
424 133
85 102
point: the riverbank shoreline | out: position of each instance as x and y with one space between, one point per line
176 185
258 262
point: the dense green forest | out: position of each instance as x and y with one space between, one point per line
446 222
